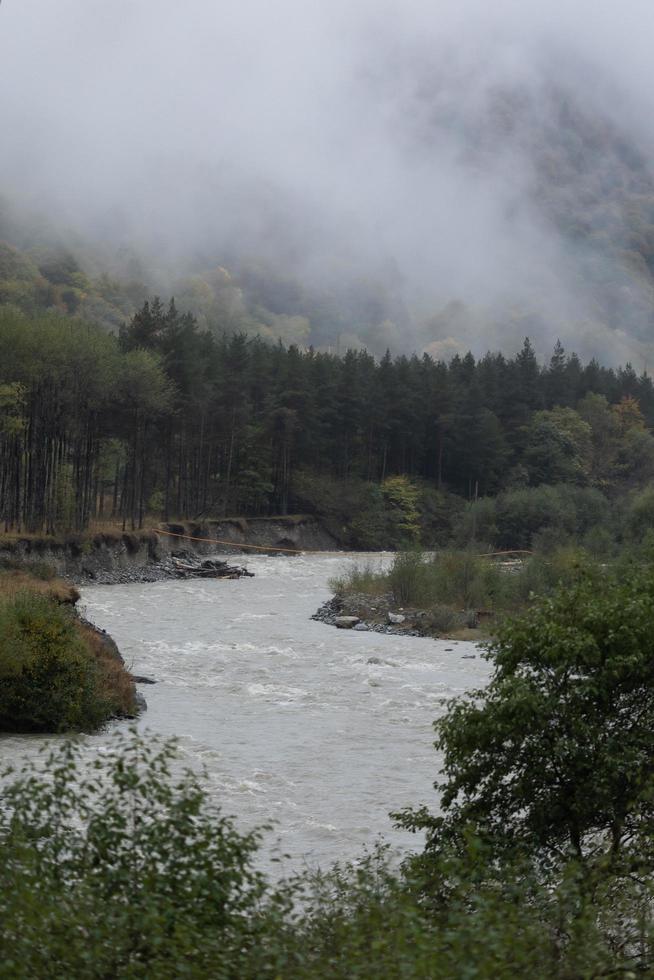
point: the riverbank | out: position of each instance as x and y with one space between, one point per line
447 594
58 672
111 556
382 614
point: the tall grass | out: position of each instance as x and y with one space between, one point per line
362 579
464 581
41 579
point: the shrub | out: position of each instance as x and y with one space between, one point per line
439 513
555 755
407 579
360 578
49 680
468 581
401 497
565 509
123 872
477 523
441 618
522 513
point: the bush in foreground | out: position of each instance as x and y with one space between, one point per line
556 753
53 676
125 871
540 864
121 871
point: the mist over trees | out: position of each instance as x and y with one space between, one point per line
342 213
380 176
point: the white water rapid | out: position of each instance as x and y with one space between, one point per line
322 731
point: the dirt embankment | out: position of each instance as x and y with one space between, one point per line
112 556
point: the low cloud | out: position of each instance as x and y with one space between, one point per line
419 148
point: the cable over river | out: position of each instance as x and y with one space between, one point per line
321 731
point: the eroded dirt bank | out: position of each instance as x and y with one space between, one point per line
113 557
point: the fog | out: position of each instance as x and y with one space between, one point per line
340 142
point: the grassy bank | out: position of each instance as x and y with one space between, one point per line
57 673
456 593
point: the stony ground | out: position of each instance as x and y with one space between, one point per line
360 612
179 565
381 614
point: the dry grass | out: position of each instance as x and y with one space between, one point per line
113 530
15 580
115 684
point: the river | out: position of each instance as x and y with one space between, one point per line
322 731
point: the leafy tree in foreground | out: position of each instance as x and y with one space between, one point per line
121 870
556 756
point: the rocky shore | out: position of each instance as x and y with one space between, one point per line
356 612
381 614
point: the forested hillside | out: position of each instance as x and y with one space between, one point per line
268 388
46 270
166 420
570 253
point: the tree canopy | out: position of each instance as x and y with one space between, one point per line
555 757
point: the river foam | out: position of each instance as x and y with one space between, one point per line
321 731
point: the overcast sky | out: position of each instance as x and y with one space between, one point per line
306 128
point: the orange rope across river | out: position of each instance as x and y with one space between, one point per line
300 551
238 544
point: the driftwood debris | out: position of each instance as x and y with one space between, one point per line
190 567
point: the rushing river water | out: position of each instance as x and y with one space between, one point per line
323 731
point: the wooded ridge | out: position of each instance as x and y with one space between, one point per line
171 420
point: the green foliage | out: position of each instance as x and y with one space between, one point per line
476 523
15 265
122 871
555 755
439 514
360 579
458 580
363 515
522 514
204 422
61 384
465 916
49 680
406 578
558 447
401 497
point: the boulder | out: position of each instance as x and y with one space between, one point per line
395 618
346 622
